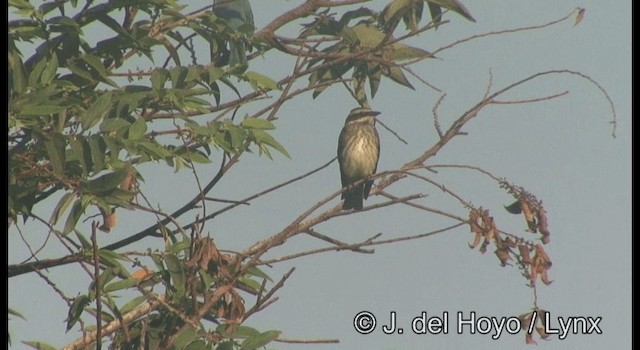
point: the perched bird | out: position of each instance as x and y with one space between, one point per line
358 153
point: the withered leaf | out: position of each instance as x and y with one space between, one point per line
524 253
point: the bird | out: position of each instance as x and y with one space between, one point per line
358 154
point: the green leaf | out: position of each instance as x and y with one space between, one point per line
251 284
22 5
179 246
138 129
83 240
455 6
198 344
61 207
236 13
260 340
39 345
81 151
176 271
158 78
119 197
95 63
258 273
396 10
17 72
81 72
413 16
123 284
110 259
436 14
50 70
261 82
36 71
76 309
45 109
367 35
132 304
98 110
184 338
16 313
262 137
97 147
114 124
153 149
374 74
396 74
256 123
226 345
215 73
401 52
235 136
178 74
239 331
105 182
197 157
55 146
76 211
193 73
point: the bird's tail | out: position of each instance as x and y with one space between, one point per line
353 198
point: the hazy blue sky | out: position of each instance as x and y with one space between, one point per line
560 150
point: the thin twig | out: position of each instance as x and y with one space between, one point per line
335 242
392 132
531 100
113 326
307 341
434 111
366 243
98 287
260 305
499 32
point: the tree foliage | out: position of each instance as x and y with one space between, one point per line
83 119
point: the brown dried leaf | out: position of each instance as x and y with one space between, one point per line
503 255
476 240
529 339
533 271
579 16
483 247
524 253
541 264
508 242
543 225
129 182
473 220
528 215
236 308
109 220
205 255
541 254
542 333
545 278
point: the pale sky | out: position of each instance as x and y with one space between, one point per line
560 150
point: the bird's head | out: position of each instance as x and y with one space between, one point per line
361 114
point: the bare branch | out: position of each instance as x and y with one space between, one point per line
366 243
333 241
531 100
307 341
113 326
506 31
